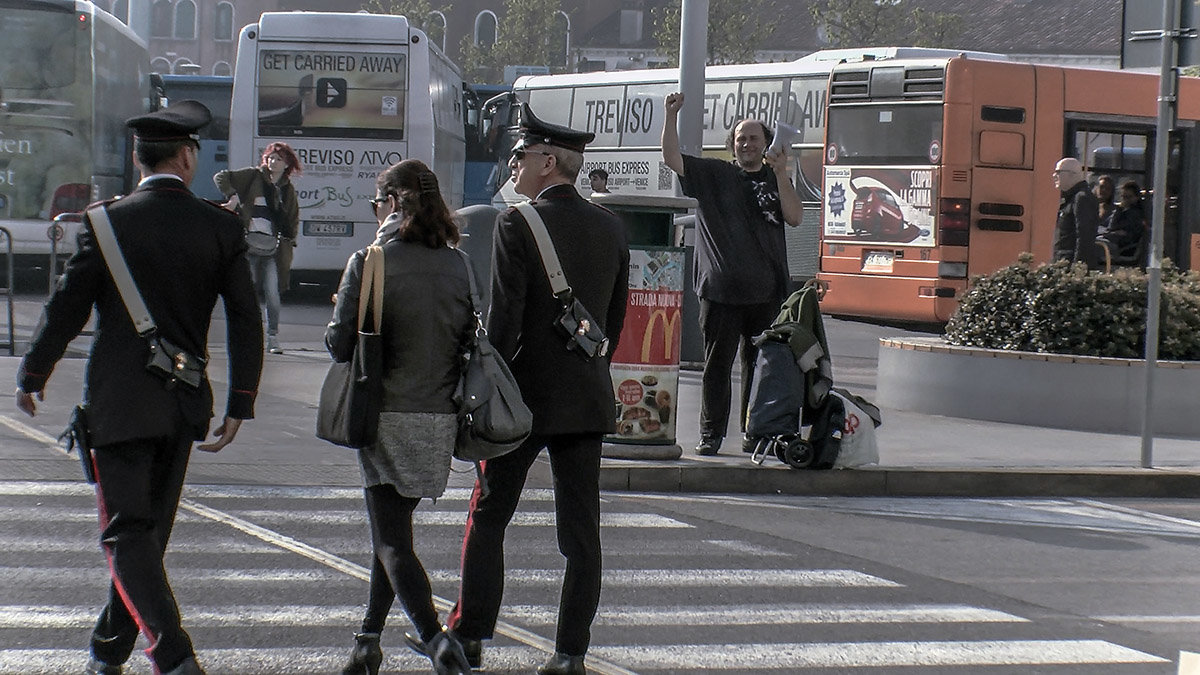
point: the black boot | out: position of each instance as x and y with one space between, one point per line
446 654
366 657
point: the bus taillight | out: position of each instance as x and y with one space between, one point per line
954 221
70 198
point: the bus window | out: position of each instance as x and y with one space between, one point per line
884 134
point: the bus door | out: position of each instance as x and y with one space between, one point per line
1003 173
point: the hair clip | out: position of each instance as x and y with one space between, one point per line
428 182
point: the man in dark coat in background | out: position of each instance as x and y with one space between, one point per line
183 253
1078 215
570 395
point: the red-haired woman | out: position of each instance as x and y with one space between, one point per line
265 198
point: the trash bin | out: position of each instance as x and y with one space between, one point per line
645 366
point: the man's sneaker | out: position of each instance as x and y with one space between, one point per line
709 445
273 345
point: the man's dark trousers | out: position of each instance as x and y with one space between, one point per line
137 491
575 464
724 327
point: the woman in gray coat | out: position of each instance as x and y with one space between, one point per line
427 319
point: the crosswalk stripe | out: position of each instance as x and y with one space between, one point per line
457 518
740 657
29 488
736 657
770 615
689 578
44 616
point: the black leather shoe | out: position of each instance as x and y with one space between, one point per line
562 664
366 657
98 667
709 445
446 654
472 648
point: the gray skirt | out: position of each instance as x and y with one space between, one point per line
413 453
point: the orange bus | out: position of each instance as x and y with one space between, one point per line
937 170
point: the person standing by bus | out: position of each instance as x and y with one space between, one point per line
266 200
741 271
571 396
1078 215
182 253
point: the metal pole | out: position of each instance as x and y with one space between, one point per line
693 53
1162 148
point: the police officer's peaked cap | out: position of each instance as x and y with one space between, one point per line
534 131
176 122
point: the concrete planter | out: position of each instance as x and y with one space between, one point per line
1085 393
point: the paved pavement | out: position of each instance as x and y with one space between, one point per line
920 454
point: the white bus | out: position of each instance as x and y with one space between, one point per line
352 94
70 75
625 111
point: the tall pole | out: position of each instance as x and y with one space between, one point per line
1167 87
693 53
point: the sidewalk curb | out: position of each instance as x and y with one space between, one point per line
900 481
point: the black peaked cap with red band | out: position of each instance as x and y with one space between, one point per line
534 131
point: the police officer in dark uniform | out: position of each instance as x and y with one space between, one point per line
570 395
183 253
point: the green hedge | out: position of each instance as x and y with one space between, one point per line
1061 308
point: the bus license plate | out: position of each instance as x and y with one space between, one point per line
877 261
327 228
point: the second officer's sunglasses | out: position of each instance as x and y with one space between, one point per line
377 201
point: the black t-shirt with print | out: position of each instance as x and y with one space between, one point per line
741 256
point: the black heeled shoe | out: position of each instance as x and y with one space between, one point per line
366 657
563 664
446 654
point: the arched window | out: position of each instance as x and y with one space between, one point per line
223 30
120 9
160 65
222 68
185 20
486 26
160 19
437 29
561 43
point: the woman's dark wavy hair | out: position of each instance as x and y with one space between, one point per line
289 157
427 219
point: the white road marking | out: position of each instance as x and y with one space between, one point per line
458 518
771 615
740 657
34 434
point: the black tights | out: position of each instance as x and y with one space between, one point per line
396 565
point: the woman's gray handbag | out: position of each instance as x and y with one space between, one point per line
493 419
352 393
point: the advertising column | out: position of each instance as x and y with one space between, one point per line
645 367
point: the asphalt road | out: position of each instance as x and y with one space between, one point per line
272 580
271 572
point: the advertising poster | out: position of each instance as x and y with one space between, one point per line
645 367
338 94
892 205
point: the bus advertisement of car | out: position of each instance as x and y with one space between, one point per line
892 205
